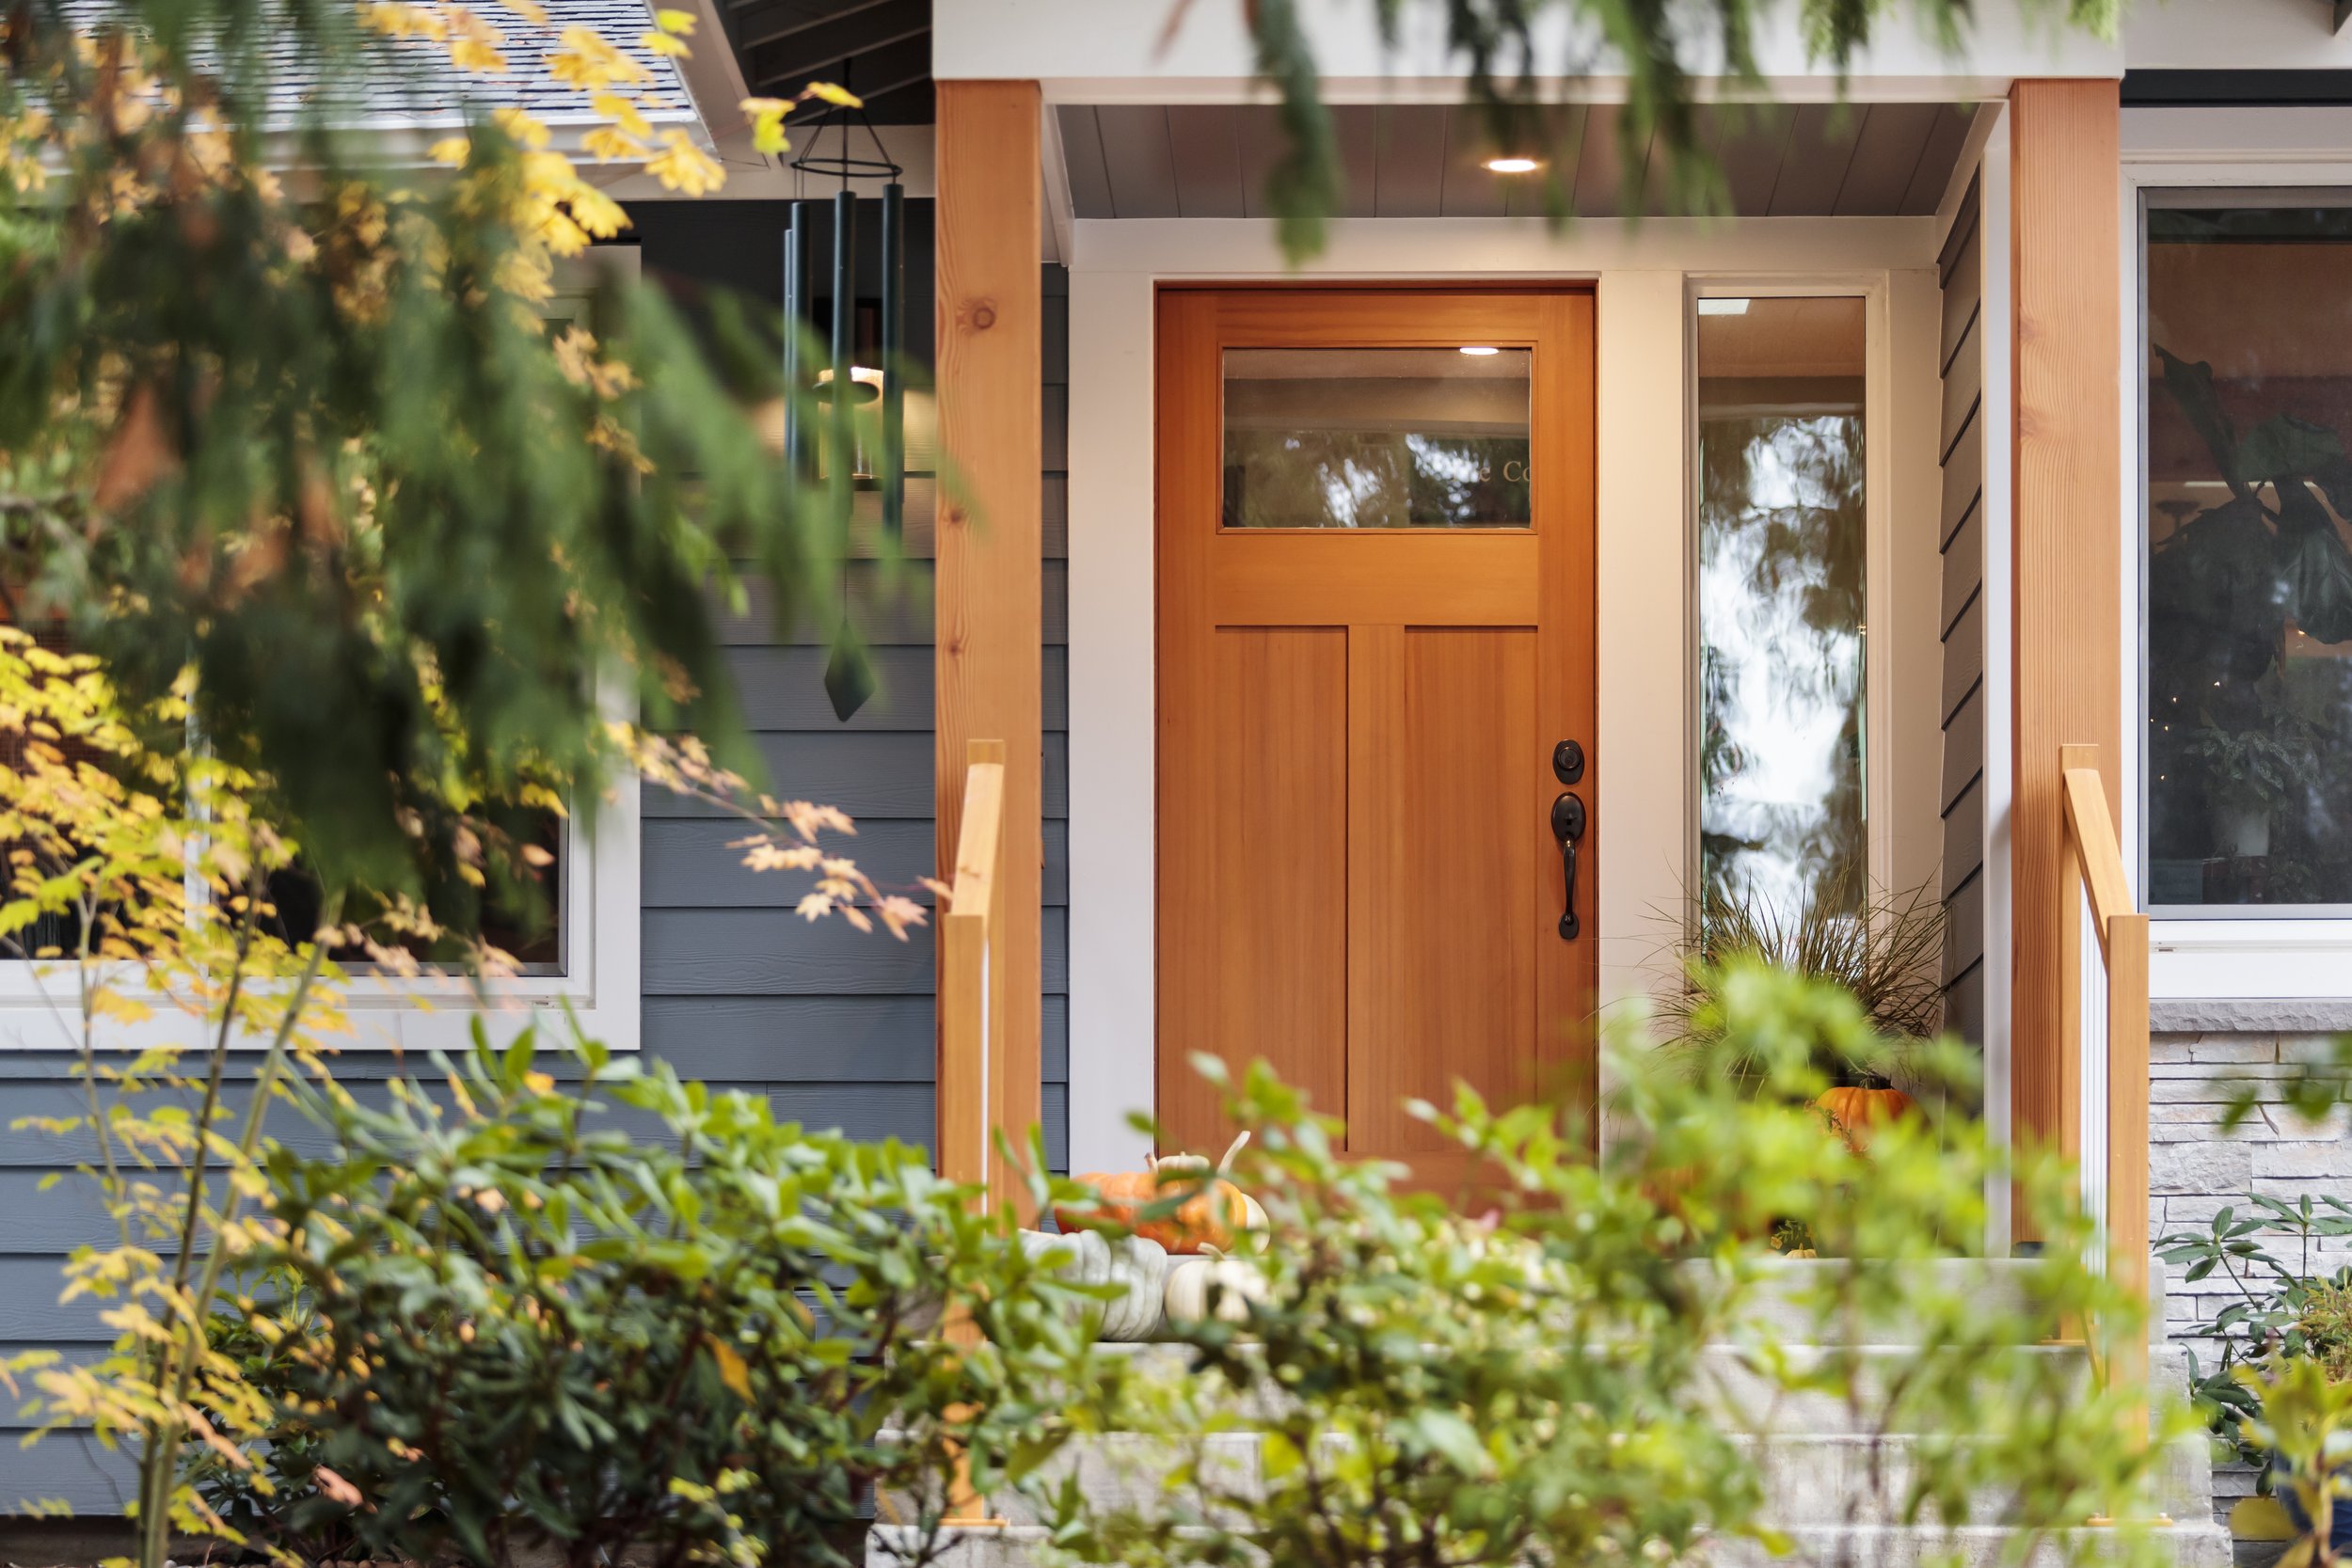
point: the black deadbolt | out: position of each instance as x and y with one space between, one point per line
1567 762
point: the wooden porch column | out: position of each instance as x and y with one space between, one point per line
2065 281
990 587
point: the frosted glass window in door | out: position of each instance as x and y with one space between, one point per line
1376 437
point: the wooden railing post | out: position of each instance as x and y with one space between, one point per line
970 1078
2091 868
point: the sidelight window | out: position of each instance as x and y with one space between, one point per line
1781 596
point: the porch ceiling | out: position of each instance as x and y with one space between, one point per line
1424 160
879 49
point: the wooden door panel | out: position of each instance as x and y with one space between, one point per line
1444 956
1355 879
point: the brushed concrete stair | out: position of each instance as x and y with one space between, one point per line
1834 1480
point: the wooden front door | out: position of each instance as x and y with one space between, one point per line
1376 630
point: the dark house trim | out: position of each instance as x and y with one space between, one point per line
2214 89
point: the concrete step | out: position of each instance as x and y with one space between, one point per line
1812 1479
2200 1545
1784 1299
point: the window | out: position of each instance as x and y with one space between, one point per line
2248 670
580 956
1377 438
1782 526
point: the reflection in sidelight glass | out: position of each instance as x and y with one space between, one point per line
1781 585
2249 762
1376 437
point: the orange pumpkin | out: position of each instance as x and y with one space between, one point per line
1208 1221
1855 1114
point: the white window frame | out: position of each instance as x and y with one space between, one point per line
1880 804
2269 954
599 975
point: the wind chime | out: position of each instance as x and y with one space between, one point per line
839 387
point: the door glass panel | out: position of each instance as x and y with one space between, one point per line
2248 448
1781 584
1376 437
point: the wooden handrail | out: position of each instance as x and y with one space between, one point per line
2096 892
971 981
971 1024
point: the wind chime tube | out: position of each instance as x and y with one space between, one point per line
894 408
841 457
796 302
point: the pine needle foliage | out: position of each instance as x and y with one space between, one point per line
1514 53
1882 948
281 412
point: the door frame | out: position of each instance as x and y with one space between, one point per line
1563 536
1641 273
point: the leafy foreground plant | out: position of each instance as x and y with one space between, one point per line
1532 1385
2286 1310
510 1321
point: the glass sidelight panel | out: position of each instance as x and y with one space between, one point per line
1376 437
1781 599
2249 407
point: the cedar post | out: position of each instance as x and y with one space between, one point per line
2068 600
989 589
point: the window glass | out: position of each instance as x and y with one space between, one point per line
1376 437
2249 580
1780 595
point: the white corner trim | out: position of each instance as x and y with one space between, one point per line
2000 663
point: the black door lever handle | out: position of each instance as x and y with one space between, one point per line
1567 826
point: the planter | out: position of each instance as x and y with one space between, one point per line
2241 829
2340 1522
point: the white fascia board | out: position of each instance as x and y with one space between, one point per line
2242 34
1084 51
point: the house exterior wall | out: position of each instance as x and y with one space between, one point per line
837 1029
1959 622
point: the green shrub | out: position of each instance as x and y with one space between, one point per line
1432 1385
495 1320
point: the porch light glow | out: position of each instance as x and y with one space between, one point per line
1723 306
1514 166
1478 350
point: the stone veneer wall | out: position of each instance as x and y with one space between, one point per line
2195 1170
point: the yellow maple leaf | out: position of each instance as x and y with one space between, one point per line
839 96
733 1371
674 21
664 43
683 166
530 10
622 111
609 144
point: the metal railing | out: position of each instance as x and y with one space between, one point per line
2102 1013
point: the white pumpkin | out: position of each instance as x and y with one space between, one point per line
1232 1282
1088 1260
1139 1266
1136 1266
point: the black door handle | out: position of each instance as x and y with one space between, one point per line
1567 826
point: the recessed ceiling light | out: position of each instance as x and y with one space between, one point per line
1479 349
1723 306
1514 166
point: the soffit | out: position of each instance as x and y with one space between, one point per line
879 49
1424 160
